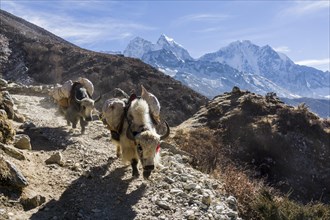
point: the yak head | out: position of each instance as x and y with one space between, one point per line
86 108
86 104
142 131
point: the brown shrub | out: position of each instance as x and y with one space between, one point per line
7 131
270 206
206 153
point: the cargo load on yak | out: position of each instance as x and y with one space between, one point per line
88 85
114 111
61 94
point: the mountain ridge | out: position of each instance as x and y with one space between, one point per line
265 61
262 65
243 64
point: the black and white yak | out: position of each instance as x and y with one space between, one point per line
133 130
80 106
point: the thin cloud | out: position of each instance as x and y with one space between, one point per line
305 7
323 64
209 30
78 32
201 18
314 62
88 32
282 49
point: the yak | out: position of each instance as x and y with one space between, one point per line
134 132
80 106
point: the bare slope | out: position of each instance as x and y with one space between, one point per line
32 55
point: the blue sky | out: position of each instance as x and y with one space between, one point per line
300 29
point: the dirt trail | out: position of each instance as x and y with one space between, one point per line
91 178
94 184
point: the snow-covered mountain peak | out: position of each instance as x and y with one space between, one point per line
139 47
138 39
239 44
248 57
168 43
257 68
163 39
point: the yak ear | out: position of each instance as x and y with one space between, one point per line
143 91
132 97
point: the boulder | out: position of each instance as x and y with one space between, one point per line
22 141
56 158
12 152
10 175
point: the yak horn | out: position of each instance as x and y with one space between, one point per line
121 92
77 100
98 98
167 132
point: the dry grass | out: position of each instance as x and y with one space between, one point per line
255 199
274 207
245 190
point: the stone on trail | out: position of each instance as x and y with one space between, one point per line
56 158
22 141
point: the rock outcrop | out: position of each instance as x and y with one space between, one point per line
289 146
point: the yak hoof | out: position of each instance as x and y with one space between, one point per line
115 135
135 173
146 174
147 171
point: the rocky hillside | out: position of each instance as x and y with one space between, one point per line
32 55
288 146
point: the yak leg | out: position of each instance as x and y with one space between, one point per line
74 122
63 111
135 172
83 123
68 120
118 150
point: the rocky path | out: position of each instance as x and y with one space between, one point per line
91 183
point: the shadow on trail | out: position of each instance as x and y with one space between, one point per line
10 192
48 138
47 102
96 197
